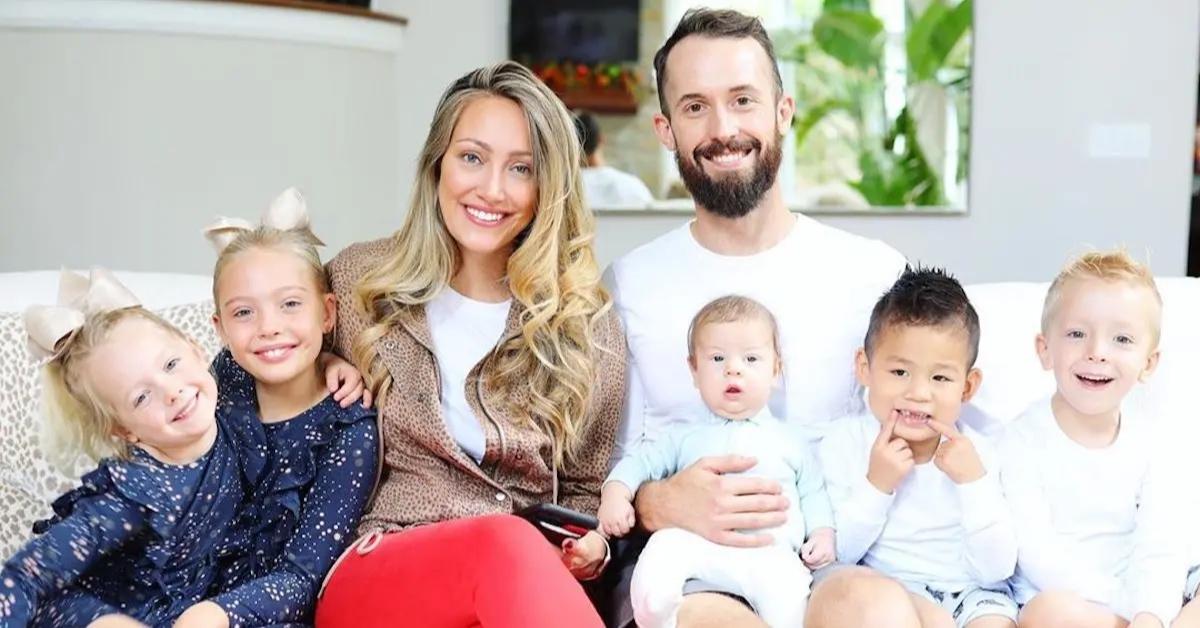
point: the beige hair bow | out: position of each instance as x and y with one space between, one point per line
78 296
287 212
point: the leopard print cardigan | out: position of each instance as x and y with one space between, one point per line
427 477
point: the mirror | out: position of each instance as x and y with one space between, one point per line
883 102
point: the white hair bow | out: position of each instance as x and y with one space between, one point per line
287 212
78 297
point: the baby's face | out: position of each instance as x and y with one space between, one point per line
1100 342
918 374
735 366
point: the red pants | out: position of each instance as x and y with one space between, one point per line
495 572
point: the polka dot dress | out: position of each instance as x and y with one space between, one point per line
302 515
138 537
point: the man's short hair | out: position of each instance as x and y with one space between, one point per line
713 23
925 297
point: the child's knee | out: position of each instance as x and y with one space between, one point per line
1058 609
860 597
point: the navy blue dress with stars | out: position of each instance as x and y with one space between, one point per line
138 537
302 515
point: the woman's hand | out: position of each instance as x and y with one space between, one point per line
585 558
203 615
343 380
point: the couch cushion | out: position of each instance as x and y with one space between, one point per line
28 483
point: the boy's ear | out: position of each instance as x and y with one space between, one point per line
862 367
330 303
1043 351
974 380
691 361
1151 364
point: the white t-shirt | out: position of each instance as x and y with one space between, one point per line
819 282
463 330
946 536
1099 522
605 186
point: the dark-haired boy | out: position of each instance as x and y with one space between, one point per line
916 495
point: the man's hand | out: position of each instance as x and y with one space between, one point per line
891 459
956 455
704 500
820 549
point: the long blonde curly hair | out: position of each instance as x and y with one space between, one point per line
552 273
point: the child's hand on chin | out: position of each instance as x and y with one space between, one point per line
956 455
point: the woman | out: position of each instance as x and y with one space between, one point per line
499 366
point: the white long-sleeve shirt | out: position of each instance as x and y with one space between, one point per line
1102 523
819 282
947 536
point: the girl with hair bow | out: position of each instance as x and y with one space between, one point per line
137 542
274 309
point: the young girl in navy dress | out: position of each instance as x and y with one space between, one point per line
274 308
137 542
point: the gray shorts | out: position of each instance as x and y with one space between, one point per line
697 585
963 606
969 604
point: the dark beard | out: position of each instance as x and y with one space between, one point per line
731 196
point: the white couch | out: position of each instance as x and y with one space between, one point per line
1009 315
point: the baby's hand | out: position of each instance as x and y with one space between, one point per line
343 380
820 549
616 510
585 558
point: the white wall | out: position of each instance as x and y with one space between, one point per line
117 147
1046 73
444 40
